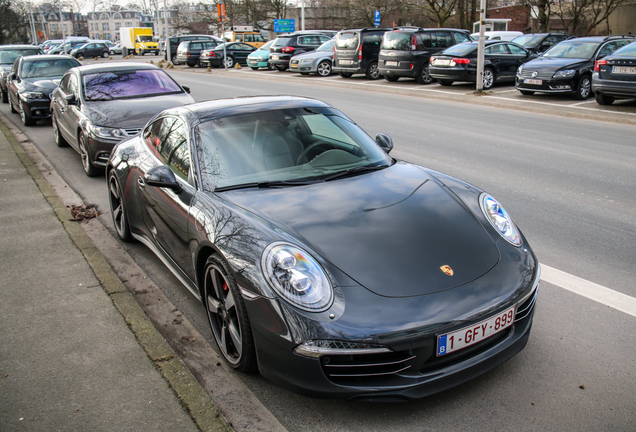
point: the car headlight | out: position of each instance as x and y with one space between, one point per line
500 219
297 277
32 95
519 69
305 60
107 133
568 73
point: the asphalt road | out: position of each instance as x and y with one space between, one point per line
569 184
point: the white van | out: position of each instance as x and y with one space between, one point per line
498 35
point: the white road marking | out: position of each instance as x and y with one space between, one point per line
582 287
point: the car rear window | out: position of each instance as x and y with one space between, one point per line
9 56
127 84
281 42
347 40
397 41
628 51
460 49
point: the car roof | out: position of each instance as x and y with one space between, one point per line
46 57
117 66
248 104
10 47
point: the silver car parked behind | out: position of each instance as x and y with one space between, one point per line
317 61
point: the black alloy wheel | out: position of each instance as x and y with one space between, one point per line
59 139
373 72
28 121
423 77
489 78
90 169
583 88
117 209
227 316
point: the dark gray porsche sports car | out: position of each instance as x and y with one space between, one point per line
332 268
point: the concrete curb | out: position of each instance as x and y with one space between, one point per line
192 397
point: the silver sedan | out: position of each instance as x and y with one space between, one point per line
317 61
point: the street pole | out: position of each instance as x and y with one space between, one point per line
302 15
62 26
165 17
480 48
34 38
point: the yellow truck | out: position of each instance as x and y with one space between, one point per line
139 40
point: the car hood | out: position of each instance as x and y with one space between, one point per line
47 85
547 64
131 113
390 230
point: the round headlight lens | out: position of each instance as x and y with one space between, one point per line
297 277
500 219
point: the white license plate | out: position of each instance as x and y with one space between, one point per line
532 81
470 335
346 62
623 70
442 62
274 57
391 63
293 66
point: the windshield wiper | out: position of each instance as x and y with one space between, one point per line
267 184
355 170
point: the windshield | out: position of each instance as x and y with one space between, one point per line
267 45
47 68
327 46
146 38
9 56
529 41
128 84
461 49
281 42
397 41
299 144
572 49
347 40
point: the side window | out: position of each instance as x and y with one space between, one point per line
461 37
72 86
371 39
515 50
444 39
239 38
167 139
426 40
249 38
551 40
196 46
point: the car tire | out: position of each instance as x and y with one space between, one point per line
5 96
28 121
526 92
59 139
228 62
583 88
117 208
304 73
191 65
253 68
174 60
90 169
105 54
602 99
423 77
373 73
11 107
324 68
280 68
346 74
391 78
445 83
142 52
227 316
112 52
489 78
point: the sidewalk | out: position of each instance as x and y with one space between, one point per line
68 358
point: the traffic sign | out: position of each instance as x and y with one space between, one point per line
284 25
377 18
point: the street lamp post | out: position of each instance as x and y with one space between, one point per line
480 48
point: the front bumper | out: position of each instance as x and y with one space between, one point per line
257 63
409 328
566 85
36 108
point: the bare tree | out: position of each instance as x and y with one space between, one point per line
585 16
13 18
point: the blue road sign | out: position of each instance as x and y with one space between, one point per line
377 18
284 25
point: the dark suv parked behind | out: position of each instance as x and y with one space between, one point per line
537 43
356 51
176 40
287 46
406 52
189 52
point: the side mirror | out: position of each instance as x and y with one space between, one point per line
186 88
11 76
162 176
70 99
385 142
